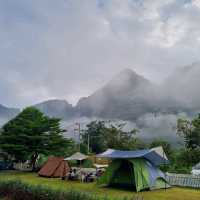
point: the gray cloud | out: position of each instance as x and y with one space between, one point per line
67 49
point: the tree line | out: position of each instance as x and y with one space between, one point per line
31 133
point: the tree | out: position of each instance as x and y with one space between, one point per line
190 131
32 133
102 136
117 138
94 133
188 157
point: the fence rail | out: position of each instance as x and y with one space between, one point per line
184 180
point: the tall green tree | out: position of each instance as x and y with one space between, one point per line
190 131
102 136
32 133
117 138
94 134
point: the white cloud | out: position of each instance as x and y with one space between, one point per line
68 49
196 3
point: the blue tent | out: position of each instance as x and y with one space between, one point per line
135 169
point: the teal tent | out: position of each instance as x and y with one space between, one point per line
136 170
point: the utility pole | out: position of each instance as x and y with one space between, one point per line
88 143
79 134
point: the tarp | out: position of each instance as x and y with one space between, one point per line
54 167
156 155
77 156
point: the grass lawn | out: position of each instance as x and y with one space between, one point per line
169 194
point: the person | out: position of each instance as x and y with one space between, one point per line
83 177
72 174
99 173
89 177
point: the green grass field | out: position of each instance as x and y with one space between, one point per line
168 194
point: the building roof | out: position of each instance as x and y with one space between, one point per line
77 156
156 155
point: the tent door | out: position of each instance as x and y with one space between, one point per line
123 177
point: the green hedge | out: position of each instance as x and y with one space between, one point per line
17 190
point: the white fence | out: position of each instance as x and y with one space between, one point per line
184 180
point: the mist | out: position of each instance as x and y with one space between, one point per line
67 49
70 50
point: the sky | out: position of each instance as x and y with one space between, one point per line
67 49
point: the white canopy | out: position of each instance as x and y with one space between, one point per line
77 156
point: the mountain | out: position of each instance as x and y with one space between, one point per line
129 96
7 113
56 108
126 96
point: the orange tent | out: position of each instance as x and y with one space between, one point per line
54 167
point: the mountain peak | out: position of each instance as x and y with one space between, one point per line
56 108
55 102
127 78
127 72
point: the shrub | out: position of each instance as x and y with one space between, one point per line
17 190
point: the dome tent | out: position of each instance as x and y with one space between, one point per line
54 167
137 170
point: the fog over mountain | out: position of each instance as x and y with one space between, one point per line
57 108
7 113
183 87
126 96
129 96
133 99
55 52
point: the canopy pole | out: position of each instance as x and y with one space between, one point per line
165 172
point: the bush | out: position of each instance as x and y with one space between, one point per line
87 163
17 190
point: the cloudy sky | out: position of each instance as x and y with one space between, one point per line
68 48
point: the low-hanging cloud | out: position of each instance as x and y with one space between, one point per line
67 49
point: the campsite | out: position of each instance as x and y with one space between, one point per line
175 193
131 175
99 100
46 165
